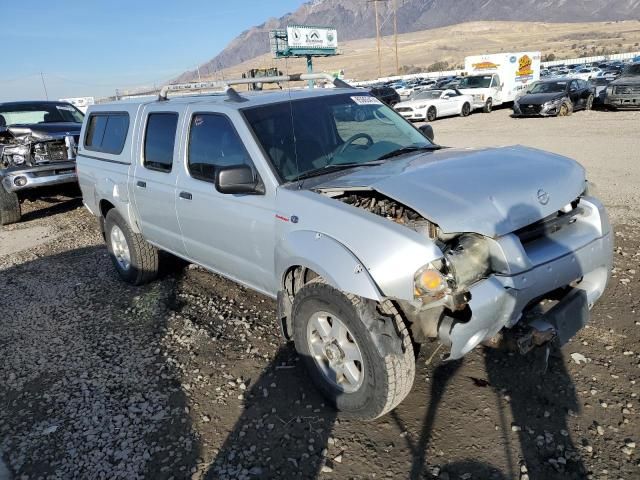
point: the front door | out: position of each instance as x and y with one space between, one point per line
230 234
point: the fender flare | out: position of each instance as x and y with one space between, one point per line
328 258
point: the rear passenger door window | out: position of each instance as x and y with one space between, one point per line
213 143
107 132
159 141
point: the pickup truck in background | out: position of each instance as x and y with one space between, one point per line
371 237
37 149
499 78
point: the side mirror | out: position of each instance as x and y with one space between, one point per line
236 179
427 131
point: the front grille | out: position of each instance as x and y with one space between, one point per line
626 90
550 225
404 109
530 109
53 151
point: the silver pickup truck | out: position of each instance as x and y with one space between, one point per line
372 238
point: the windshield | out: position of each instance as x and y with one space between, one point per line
427 95
549 87
308 134
30 113
483 81
632 69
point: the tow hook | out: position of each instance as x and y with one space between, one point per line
538 334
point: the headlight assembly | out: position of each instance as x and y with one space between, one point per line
430 281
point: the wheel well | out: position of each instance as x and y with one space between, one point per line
105 206
293 280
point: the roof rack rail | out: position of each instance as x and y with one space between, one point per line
225 85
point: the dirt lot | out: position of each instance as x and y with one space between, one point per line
187 377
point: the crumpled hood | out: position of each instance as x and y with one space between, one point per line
38 130
489 191
627 80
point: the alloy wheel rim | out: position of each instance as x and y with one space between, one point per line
335 352
120 248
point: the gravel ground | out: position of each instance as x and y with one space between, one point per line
187 377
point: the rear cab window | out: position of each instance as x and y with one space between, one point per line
159 141
107 132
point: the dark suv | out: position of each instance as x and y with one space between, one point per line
37 149
386 95
625 91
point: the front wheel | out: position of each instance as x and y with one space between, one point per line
9 207
565 109
135 260
488 106
432 114
360 358
466 110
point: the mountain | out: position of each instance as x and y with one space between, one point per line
355 19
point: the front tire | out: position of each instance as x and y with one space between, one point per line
432 114
135 260
566 109
9 207
488 106
361 359
466 110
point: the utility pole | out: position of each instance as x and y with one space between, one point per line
199 77
375 6
395 33
44 85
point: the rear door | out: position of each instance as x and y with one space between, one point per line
154 178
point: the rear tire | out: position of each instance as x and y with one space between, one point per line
135 260
466 110
332 330
9 207
432 114
488 106
589 104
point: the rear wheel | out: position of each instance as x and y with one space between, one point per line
135 260
589 104
9 207
466 110
361 359
432 114
488 106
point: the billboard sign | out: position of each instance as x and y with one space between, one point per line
307 38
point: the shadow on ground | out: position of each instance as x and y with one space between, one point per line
84 387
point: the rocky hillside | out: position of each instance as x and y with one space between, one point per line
355 19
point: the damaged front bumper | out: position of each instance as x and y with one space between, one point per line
17 179
577 258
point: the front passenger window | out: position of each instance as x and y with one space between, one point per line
213 143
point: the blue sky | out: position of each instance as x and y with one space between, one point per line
92 47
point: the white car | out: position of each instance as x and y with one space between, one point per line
586 73
431 104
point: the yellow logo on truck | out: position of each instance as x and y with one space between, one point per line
485 66
524 66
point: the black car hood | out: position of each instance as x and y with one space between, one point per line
540 98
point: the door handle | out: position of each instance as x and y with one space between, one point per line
141 184
186 195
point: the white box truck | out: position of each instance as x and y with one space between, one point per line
499 78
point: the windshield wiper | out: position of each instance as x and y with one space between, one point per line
334 167
409 149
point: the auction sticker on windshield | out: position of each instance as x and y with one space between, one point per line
366 100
